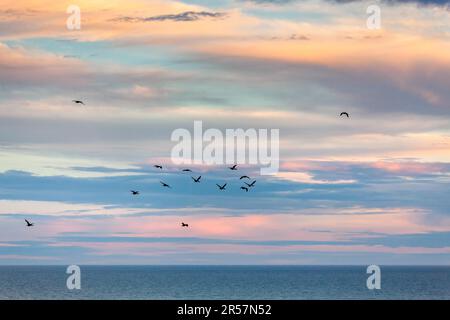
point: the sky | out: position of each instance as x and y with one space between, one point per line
370 189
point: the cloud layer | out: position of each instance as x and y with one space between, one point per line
372 188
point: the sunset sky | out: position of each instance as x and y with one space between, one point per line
371 189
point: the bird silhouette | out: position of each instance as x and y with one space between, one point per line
187 170
157 166
78 102
196 180
184 224
344 114
165 184
244 177
234 167
221 187
29 224
244 188
135 193
251 184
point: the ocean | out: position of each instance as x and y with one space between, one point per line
224 282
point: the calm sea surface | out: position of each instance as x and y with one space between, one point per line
224 282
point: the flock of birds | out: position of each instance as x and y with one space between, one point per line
246 188
197 180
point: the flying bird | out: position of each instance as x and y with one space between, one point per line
196 180
221 187
184 224
251 184
233 167
344 114
135 193
78 102
164 184
244 177
158 166
187 170
244 188
29 224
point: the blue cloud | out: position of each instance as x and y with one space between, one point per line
373 188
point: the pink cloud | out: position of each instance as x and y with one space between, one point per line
410 167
